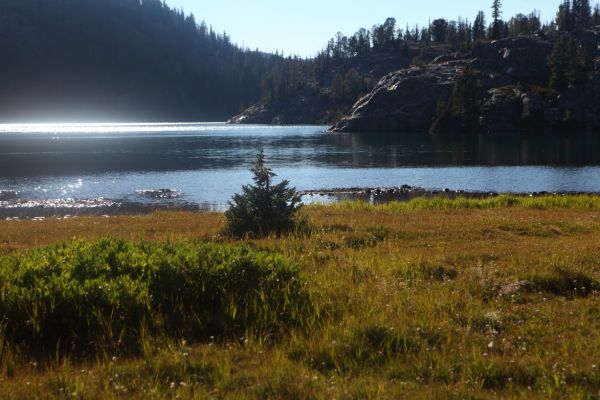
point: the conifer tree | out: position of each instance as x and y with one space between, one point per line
567 64
461 113
582 14
564 17
464 97
479 26
497 21
262 208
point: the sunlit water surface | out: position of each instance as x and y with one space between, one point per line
92 165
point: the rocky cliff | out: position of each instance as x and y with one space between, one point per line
513 74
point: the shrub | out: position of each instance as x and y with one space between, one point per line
83 297
262 208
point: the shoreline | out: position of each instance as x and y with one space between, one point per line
373 195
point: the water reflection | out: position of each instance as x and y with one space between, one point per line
389 150
193 147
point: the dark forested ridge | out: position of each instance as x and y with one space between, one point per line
119 59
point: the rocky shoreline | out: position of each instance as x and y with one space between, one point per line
407 193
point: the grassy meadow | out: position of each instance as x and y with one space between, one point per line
434 298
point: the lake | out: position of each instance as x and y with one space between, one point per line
82 166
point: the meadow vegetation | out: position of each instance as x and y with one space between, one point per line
434 298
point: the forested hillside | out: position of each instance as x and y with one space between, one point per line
123 59
350 67
141 60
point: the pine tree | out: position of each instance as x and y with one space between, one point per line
439 28
461 113
567 64
596 16
582 14
479 26
497 21
262 208
564 17
464 97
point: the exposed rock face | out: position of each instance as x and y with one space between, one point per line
405 100
513 74
522 58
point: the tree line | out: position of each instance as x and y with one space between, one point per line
332 67
461 33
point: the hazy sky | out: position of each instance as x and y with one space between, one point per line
303 26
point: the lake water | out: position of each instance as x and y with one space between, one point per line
83 166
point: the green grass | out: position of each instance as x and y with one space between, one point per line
449 299
501 201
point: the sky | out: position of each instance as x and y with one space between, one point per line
302 27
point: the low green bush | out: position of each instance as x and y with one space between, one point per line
81 297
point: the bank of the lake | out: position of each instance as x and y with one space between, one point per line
435 298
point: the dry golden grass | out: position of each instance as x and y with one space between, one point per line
173 226
451 303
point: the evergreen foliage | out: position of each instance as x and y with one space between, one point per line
263 208
567 64
524 24
582 14
496 31
479 26
439 28
575 16
564 20
461 113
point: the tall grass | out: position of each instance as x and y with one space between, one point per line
81 297
502 201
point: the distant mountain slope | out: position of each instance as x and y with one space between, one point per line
119 59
